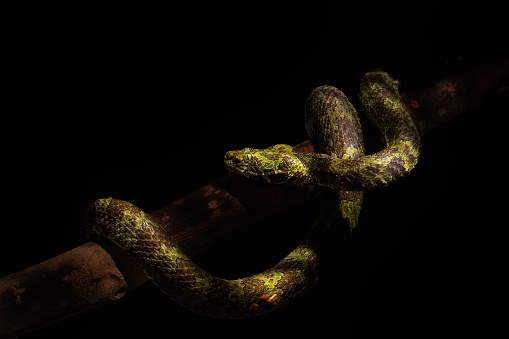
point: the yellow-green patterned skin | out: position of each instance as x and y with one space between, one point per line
333 126
178 276
335 130
381 102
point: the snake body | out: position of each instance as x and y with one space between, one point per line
334 128
384 107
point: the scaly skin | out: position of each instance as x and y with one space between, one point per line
333 126
382 104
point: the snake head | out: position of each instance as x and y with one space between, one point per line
278 164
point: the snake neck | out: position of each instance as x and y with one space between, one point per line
365 173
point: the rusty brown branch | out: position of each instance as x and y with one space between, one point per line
92 275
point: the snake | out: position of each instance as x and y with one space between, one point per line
339 167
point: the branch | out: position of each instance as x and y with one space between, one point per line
93 274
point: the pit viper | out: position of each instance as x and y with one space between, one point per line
339 165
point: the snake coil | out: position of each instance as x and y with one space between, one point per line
339 165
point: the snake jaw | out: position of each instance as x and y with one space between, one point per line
234 163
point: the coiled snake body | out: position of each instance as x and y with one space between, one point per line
339 164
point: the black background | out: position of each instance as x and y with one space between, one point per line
140 103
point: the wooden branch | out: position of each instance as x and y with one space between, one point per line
460 90
94 274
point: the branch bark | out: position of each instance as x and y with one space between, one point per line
93 274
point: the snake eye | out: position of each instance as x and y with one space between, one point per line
247 157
